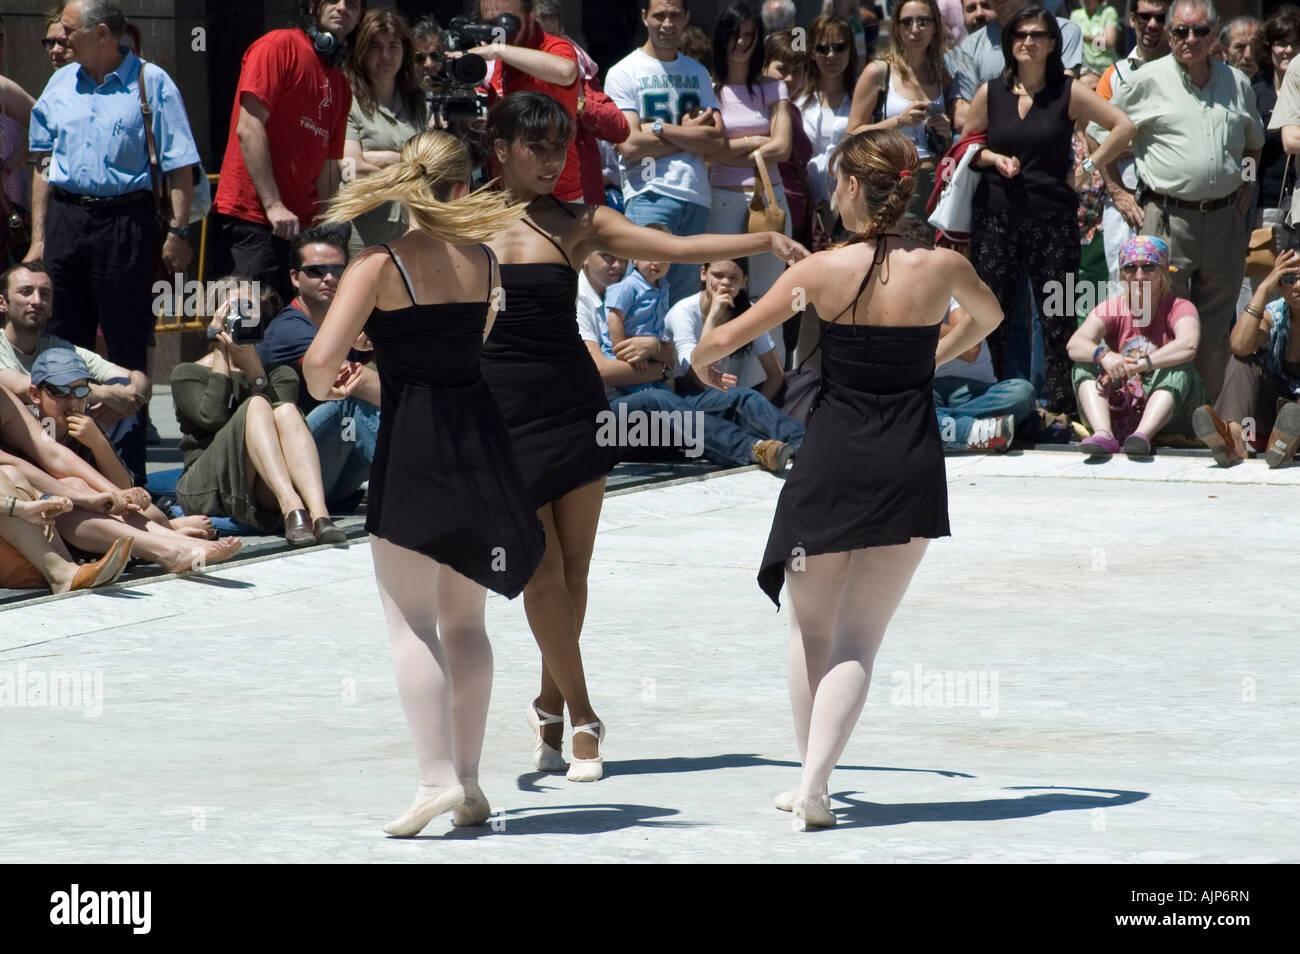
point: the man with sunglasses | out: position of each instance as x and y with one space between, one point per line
1197 147
980 57
116 393
1120 216
426 40
59 393
345 431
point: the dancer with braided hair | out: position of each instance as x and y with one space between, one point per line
868 490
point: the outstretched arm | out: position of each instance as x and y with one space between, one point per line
611 232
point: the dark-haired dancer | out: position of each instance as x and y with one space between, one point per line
547 387
868 490
448 512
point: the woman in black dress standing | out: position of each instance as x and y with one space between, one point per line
448 511
550 393
868 490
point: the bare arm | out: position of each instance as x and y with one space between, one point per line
18 105
977 300
1290 140
546 67
640 144
701 136
775 376
611 232
40 203
865 93
1187 337
1091 108
355 299
255 146
617 374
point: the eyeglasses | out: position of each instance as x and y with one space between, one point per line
1200 31
320 271
1036 35
919 22
826 49
1284 44
1133 267
77 391
50 42
421 57
1148 17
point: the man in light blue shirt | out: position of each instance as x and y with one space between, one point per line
980 57
94 217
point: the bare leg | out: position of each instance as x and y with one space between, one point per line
555 601
1158 412
50 557
1095 409
262 444
814 600
444 683
298 449
873 586
174 552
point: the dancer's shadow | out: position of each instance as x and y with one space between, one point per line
570 820
1051 798
709 763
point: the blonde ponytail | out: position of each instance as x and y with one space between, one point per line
431 165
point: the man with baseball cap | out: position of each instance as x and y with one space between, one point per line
59 392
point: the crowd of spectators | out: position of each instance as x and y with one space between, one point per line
1129 159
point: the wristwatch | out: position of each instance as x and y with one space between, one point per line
180 231
1088 165
657 127
668 371
259 382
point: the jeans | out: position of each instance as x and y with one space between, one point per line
345 433
735 420
681 218
959 402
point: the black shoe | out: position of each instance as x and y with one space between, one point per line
326 532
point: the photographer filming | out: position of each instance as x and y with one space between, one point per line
532 59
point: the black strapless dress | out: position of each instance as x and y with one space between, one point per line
543 379
444 481
870 472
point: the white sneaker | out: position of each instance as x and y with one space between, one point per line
992 434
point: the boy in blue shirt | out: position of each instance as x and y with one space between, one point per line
636 306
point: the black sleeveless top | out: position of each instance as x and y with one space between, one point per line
1042 141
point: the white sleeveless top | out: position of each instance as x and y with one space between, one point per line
896 103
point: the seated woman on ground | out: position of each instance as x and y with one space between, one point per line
723 295
1133 354
248 452
1262 380
32 554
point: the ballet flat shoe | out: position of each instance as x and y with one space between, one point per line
413 822
545 758
475 810
811 813
106 569
785 802
588 770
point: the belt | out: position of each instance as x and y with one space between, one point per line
1208 205
101 202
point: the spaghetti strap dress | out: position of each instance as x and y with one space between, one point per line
543 379
870 472
444 481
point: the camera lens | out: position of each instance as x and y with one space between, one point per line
468 70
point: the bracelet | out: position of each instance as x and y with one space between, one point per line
1151 365
1102 350
1251 310
13 502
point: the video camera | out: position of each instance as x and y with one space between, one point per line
454 98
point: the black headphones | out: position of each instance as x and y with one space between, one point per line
327 45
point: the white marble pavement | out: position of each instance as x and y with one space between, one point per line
1125 687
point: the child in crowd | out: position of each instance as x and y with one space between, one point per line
636 306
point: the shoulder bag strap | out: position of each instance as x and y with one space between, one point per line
156 176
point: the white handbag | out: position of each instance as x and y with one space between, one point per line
952 213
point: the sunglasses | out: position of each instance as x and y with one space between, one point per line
421 57
1133 267
320 271
77 391
1148 17
919 22
50 42
1290 278
826 49
1200 31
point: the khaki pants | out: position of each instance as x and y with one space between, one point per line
1209 251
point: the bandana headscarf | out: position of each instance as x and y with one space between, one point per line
1144 248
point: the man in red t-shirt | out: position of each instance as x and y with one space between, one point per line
287 128
535 60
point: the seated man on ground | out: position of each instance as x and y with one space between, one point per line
1133 373
344 431
116 394
976 411
723 296
739 426
1262 380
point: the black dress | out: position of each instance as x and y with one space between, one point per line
543 379
444 481
870 472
